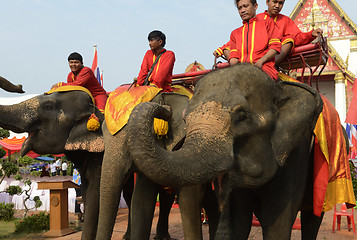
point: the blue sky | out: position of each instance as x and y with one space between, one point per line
37 36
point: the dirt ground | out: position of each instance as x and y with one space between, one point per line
175 228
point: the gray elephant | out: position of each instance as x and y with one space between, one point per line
9 87
251 134
117 167
57 123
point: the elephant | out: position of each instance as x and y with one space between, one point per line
117 167
253 136
57 123
9 87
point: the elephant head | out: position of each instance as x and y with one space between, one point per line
55 122
9 87
239 123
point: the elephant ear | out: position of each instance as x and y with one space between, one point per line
80 138
298 111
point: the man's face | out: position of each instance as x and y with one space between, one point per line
246 9
155 44
275 6
75 65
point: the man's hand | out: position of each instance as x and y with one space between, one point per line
259 63
215 53
317 32
54 86
233 61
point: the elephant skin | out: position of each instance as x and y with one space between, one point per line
118 166
9 87
251 134
57 123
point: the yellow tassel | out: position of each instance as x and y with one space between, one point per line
93 123
160 126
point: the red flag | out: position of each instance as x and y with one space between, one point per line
95 67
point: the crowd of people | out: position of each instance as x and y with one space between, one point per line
55 168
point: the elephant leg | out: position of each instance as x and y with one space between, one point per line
210 204
310 224
115 169
127 194
142 207
240 213
91 209
166 197
190 207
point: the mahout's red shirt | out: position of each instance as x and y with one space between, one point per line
289 30
252 41
161 76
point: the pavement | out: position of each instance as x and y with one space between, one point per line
175 228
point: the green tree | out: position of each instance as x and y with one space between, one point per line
4 133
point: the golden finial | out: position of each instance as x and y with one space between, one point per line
313 19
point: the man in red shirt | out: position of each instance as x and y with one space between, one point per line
257 41
161 74
291 34
84 76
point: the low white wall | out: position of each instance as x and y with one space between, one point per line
43 194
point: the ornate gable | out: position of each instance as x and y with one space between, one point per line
324 14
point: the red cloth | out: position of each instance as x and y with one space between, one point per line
253 40
161 76
289 31
86 78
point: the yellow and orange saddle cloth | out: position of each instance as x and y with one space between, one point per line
122 101
332 177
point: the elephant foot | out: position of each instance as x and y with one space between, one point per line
161 237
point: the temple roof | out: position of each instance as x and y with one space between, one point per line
325 14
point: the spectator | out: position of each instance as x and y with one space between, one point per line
64 168
58 166
77 207
44 172
53 169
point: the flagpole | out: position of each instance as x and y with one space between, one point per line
95 48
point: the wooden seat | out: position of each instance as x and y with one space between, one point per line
310 56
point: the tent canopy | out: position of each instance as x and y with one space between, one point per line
45 158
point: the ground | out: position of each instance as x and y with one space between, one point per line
175 230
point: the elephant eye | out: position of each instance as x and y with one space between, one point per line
48 107
240 116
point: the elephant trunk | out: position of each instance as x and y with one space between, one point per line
207 147
9 87
19 117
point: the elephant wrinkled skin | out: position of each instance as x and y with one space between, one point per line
251 134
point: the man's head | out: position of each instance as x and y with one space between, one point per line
157 40
247 9
275 6
75 62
